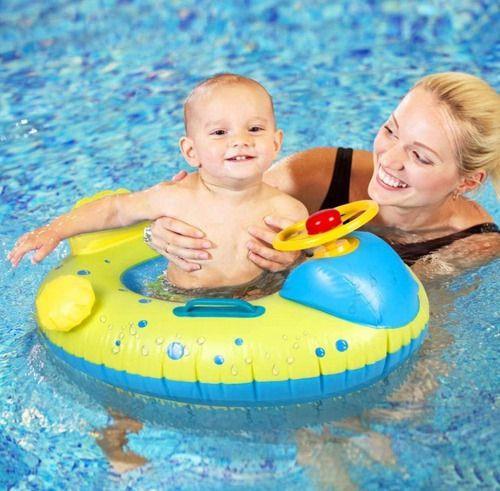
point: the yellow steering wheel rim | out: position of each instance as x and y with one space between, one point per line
285 240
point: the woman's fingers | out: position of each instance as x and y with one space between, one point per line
178 245
170 252
268 258
264 234
265 263
278 223
264 248
186 253
261 251
267 252
183 242
168 224
182 263
179 242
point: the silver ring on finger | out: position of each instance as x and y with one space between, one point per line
147 236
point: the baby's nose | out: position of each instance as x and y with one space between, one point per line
242 139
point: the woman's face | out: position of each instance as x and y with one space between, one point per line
414 155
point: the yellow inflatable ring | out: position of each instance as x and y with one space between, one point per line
338 324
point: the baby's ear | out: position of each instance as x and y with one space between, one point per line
278 140
188 151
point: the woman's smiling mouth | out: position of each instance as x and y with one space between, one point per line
389 181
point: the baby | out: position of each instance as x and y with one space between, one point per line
231 139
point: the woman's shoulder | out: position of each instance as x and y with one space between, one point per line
304 175
317 161
471 214
361 173
307 175
474 242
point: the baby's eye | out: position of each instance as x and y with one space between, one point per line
218 132
256 129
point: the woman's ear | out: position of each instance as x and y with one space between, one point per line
472 181
188 151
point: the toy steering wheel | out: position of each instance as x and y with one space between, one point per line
326 227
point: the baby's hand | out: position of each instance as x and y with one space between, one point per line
43 240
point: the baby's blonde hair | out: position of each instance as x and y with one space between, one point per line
474 107
218 80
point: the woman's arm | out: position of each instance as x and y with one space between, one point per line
307 175
304 175
470 252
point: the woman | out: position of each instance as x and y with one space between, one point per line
442 141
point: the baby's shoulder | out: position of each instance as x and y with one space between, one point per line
184 186
171 196
285 205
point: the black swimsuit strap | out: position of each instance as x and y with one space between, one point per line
410 253
338 191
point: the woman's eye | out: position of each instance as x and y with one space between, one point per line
420 158
389 130
218 132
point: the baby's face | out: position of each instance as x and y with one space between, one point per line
232 133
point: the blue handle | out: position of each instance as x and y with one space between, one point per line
218 307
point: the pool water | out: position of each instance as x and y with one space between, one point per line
91 99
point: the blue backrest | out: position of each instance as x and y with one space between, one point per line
371 286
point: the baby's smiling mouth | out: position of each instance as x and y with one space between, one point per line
240 158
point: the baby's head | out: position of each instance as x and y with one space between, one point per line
193 105
230 128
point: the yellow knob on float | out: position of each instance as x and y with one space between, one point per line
65 302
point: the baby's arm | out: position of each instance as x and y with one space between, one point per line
109 212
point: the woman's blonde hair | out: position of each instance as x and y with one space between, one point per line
474 106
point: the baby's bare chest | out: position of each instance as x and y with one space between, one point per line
227 228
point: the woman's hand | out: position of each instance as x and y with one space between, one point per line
181 243
261 251
185 245
43 240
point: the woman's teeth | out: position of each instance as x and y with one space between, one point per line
389 180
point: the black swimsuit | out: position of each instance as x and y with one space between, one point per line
338 194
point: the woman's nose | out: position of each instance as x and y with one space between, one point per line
394 157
